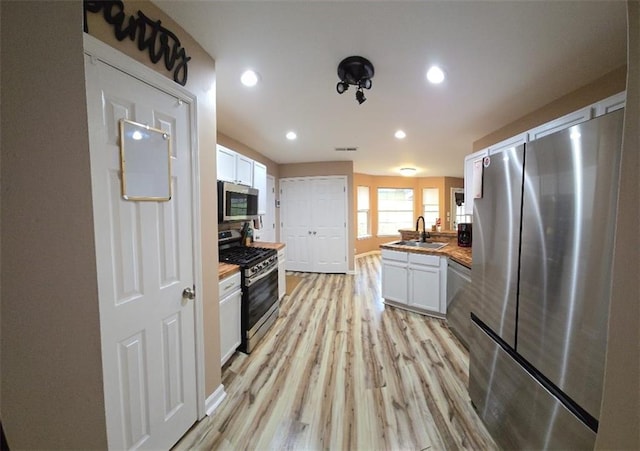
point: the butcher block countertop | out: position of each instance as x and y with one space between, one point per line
276 246
227 269
456 253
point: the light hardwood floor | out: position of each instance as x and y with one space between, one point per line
340 370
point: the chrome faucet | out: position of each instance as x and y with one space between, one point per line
424 235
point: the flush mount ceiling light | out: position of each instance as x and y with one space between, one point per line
435 75
400 134
357 71
407 171
291 136
249 78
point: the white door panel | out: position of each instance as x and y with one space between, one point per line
144 254
313 213
295 220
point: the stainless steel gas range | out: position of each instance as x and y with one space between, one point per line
259 271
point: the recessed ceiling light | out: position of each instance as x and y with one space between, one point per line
407 171
400 134
435 75
291 136
249 78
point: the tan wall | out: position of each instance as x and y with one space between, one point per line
605 86
52 395
620 414
443 184
201 82
329 168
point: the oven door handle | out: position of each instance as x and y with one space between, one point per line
261 276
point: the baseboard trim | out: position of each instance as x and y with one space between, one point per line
214 400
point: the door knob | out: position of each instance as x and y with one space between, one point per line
189 293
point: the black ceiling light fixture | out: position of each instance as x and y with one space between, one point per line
357 71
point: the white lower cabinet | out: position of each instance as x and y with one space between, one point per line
282 279
230 292
415 281
427 282
394 276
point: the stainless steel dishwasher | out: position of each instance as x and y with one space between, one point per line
459 299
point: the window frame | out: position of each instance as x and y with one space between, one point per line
410 211
428 214
367 211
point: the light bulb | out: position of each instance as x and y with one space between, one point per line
435 75
249 78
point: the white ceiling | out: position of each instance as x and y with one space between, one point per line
503 59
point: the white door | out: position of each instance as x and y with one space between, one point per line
268 232
329 225
313 214
144 255
295 231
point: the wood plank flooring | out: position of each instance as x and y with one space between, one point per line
340 370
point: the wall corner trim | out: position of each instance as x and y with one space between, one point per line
215 399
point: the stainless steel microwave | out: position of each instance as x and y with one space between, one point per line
236 202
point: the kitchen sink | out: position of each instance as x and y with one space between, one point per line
434 245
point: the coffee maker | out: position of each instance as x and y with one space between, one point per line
464 234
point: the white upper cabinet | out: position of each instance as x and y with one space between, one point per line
244 170
514 141
260 183
226 164
615 102
473 162
561 123
234 167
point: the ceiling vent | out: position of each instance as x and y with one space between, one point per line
346 149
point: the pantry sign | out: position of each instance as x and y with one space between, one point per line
149 34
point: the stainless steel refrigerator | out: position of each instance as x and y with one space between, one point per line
541 278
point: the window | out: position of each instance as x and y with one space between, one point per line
364 229
430 206
395 210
